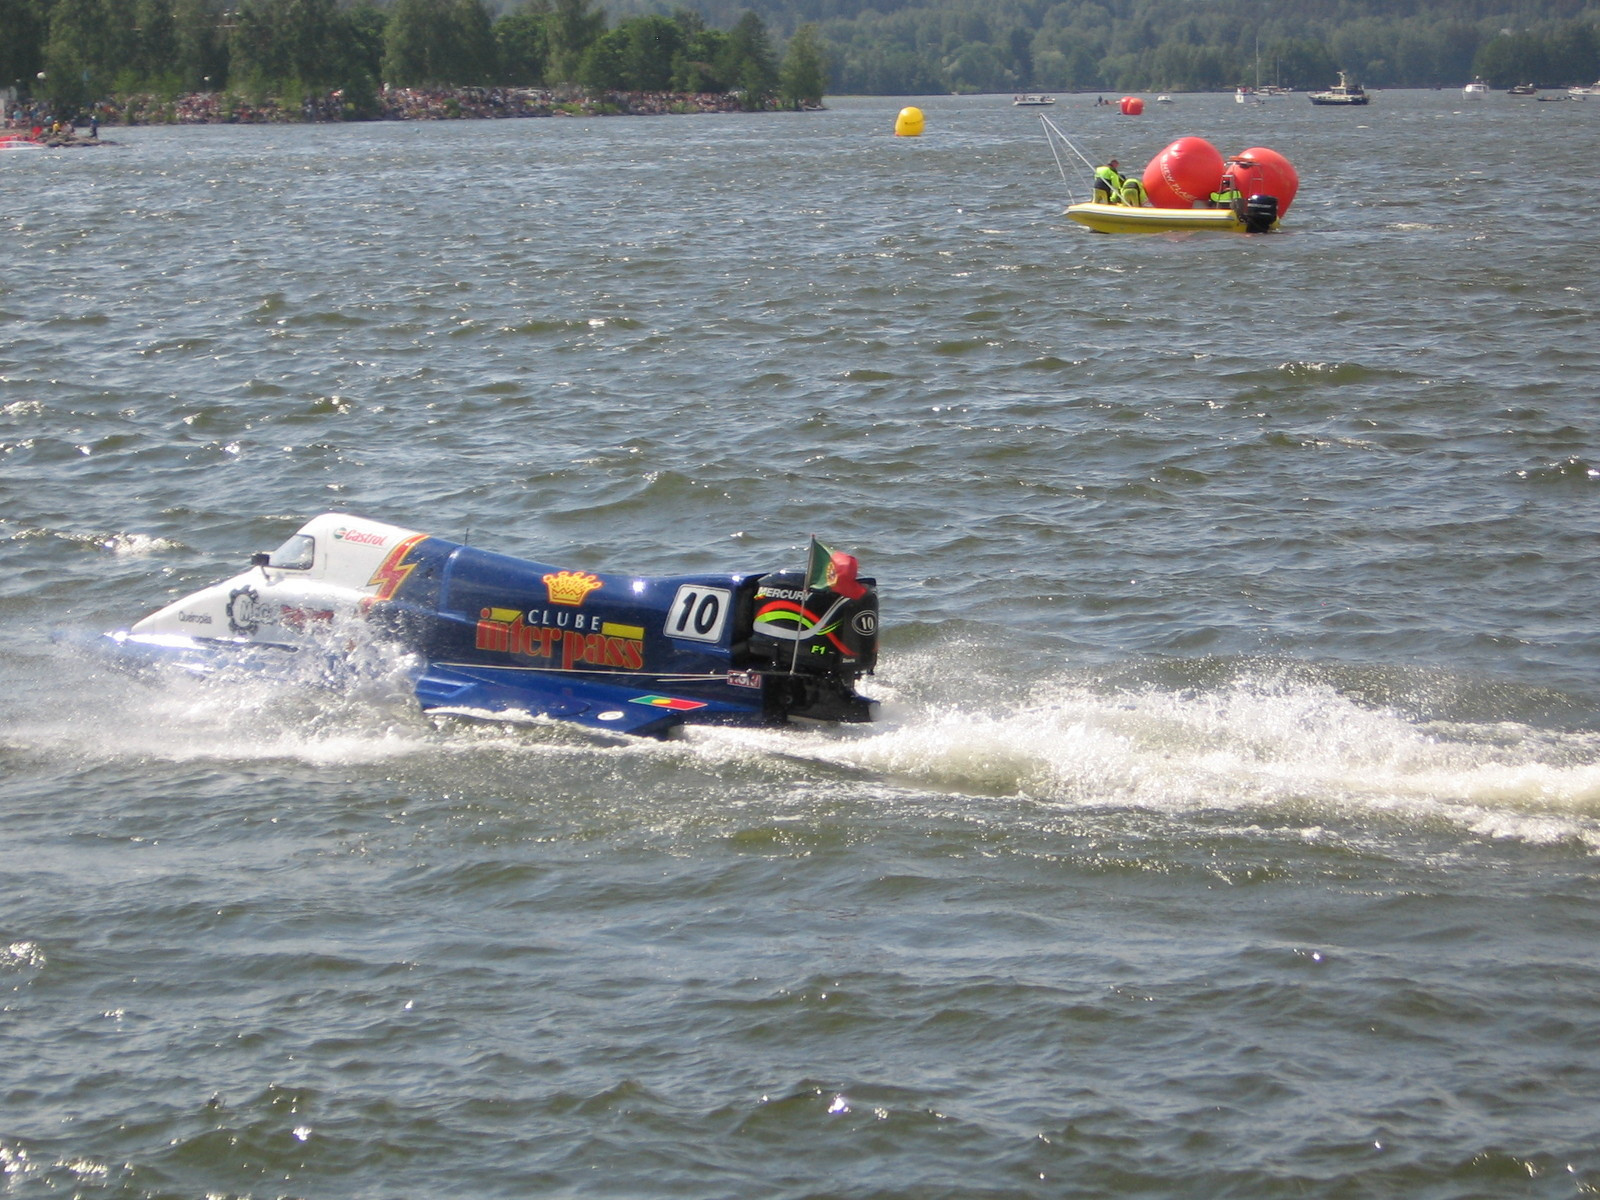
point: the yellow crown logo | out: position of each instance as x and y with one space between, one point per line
570 587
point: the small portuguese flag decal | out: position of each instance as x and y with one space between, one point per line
671 702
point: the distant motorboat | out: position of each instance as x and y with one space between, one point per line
1476 90
1032 101
1344 93
1522 89
1248 95
1578 93
1163 99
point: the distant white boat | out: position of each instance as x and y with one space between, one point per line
1476 90
1248 95
1163 99
1343 94
1578 93
1032 101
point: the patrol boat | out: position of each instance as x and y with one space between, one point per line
1344 93
505 638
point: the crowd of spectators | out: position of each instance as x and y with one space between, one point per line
389 104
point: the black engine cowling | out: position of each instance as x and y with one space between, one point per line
1260 213
813 644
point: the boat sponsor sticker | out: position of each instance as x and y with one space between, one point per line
248 615
570 587
359 537
243 611
608 644
677 704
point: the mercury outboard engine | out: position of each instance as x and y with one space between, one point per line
812 644
1260 213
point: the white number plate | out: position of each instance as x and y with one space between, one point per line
698 613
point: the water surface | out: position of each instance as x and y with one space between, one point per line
1231 826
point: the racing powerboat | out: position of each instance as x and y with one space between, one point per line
494 636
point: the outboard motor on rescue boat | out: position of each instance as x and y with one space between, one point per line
814 643
1260 213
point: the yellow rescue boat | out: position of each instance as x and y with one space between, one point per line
1123 218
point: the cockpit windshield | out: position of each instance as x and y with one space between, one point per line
297 554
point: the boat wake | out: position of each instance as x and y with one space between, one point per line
1273 747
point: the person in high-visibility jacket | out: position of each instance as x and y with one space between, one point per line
1133 193
1108 183
1227 195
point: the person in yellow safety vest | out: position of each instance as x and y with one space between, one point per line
1227 196
1133 193
1108 183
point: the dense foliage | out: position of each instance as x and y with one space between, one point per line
74 52
910 47
87 48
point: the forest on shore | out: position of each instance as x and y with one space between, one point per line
921 47
763 53
328 60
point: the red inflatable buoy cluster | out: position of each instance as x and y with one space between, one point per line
1130 106
1190 169
1263 172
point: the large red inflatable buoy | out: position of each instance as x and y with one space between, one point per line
1185 172
1131 106
1263 172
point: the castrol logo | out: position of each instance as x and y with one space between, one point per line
359 537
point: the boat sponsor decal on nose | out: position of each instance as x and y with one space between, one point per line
247 615
243 616
359 537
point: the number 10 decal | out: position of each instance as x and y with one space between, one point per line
698 613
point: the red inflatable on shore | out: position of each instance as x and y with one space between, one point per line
1185 173
1262 172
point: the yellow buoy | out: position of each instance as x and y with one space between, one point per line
908 123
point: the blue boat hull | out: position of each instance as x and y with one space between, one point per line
502 637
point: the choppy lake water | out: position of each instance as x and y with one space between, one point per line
1231 828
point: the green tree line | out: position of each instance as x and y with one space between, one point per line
884 47
73 52
911 47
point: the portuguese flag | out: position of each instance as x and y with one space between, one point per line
833 571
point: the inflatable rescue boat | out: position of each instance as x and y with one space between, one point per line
501 637
1256 217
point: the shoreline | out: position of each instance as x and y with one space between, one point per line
389 104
